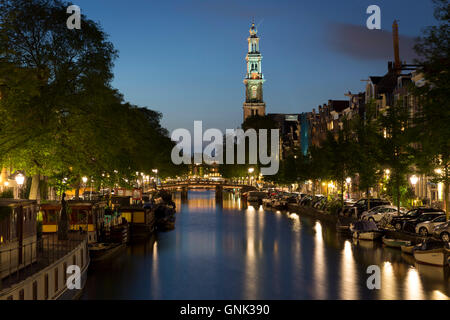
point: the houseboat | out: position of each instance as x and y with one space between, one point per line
35 267
88 216
141 220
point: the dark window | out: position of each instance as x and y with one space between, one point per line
74 259
56 279
21 295
65 273
10 298
46 287
35 290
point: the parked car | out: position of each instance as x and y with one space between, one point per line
317 199
442 232
363 205
398 222
377 213
410 225
426 228
305 201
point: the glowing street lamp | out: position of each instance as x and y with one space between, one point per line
155 171
414 179
250 171
348 181
20 179
84 179
438 171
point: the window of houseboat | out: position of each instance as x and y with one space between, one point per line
56 279
46 287
21 294
35 290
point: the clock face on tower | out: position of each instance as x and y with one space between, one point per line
254 92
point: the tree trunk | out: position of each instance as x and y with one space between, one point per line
77 193
35 193
368 198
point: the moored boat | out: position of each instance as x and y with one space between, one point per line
432 253
407 249
396 243
365 230
104 251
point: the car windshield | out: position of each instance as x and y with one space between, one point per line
426 217
412 213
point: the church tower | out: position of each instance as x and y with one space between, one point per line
254 79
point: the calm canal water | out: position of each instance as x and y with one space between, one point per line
228 251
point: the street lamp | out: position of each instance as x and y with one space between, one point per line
155 171
20 179
84 179
250 171
348 180
414 179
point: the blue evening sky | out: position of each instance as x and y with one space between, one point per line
186 58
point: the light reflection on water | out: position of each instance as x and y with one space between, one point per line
228 250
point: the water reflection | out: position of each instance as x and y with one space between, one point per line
349 287
227 250
319 263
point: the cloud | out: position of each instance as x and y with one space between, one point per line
364 44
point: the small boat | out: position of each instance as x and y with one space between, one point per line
396 243
365 230
432 252
165 217
407 249
103 251
342 229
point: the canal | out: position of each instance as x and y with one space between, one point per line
225 250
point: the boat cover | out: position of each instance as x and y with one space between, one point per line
365 226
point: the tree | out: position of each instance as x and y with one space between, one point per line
60 117
65 71
432 130
339 151
366 149
395 146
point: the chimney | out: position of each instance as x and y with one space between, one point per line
398 63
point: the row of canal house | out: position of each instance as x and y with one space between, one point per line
386 91
34 262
